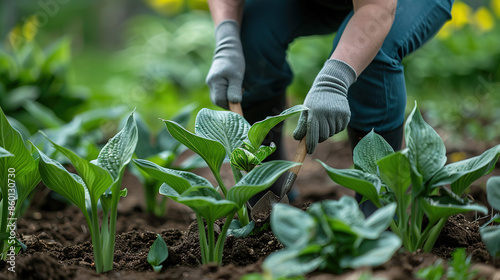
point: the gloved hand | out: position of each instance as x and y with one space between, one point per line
228 66
329 111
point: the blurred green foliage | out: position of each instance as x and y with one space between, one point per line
153 55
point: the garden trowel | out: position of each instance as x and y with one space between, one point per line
262 209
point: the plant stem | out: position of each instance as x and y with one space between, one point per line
110 248
221 184
203 239
96 239
433 235
242 213
211 241
219 247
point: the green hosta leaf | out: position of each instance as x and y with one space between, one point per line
203 200
5 153
290 262
211 151
244 160
461 174
96 178
257 180
380 220
369 150
426 150
118 152
225 127
493 192
22 161
179 180
491 238
373 252
259 130
238 231
58 179
293 227
158 253
394 170
436 209
363 183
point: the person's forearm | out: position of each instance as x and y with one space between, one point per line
226 9
365 32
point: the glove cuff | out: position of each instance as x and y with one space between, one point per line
341 70
227 29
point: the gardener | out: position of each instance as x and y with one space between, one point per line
361 86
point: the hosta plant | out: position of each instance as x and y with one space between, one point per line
491 234
426 190
97 186
158 253
331 236
221 134
163 150
18 177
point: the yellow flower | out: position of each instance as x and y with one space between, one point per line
461 14
483 19
495 6
168 7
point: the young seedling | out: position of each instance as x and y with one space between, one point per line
330 236
18 177
220 134
383 176
491 234
158 253
99 181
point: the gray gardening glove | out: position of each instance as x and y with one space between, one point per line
228 66
327 102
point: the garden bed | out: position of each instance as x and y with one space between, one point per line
51 230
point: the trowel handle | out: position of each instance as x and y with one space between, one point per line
300 155
236 108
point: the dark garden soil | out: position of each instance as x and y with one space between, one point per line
59 244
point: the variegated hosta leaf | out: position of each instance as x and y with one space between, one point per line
264 151
259 130
257 180
118 152
227 128
178 180
426 150
244 160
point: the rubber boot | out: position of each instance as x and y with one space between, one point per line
394 138
257 113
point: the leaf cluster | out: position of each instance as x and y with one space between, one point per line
426 190
331 236
218 134
490 234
